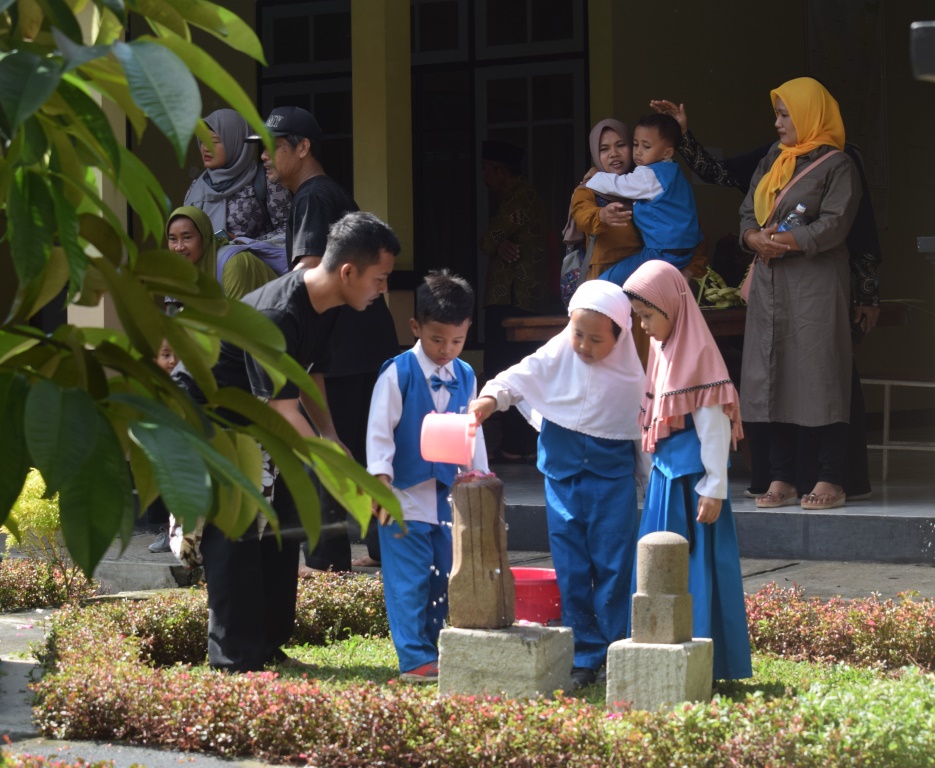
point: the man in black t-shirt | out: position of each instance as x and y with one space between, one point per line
252 582
361 342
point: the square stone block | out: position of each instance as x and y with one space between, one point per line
650 676
521 661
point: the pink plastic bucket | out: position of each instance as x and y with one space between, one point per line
537 597
449 438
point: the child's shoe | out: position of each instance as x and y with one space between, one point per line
582 677
427 673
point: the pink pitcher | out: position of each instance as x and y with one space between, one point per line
449 438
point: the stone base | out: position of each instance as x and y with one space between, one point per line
650 676
519 662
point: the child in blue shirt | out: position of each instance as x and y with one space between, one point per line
582 391
429 377
664 204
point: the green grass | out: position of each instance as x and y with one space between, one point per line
355 660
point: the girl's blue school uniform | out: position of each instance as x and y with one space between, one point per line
416 564
590 497
714 577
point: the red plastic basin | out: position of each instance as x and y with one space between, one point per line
537 597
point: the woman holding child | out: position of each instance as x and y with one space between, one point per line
797 342
608 219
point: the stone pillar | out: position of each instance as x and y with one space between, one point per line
661 665
480 589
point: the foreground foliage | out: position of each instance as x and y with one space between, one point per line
867 632
78 401
37 535
169 628
28 584
102 683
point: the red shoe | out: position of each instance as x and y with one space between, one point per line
427 673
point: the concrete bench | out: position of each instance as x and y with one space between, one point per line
899 445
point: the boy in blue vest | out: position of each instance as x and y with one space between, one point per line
663 202
429 377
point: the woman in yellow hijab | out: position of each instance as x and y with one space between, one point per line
797 343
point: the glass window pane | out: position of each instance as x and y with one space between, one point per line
445 99
506 22
552 20
290 40
332 37
335 111
506 100
552 96
552 162
438 26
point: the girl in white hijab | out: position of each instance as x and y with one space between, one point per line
582 391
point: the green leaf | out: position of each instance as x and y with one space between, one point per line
255 411
116 7
91 509
91 125
59 15
12 344
76 54
164 88
100 233
107 78
143 323
67 221
14 456
181 474
30 209
224 460
143 480
301 488
39 292
241 325
26 82
159 12
61 425
143 192
239 35
215 77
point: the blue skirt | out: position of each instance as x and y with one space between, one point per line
714 577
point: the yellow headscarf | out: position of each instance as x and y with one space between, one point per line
817 120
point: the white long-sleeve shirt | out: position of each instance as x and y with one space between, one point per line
418 502
640 184
713 427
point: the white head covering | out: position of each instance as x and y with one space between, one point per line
599 399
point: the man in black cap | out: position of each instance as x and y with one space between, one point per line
517 279
361 341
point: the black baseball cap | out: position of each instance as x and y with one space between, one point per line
291 121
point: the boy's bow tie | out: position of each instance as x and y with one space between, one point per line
437 381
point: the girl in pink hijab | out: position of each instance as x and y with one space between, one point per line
689 417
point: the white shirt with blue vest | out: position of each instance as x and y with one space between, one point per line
402 397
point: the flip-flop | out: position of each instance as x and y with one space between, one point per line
770 500
836 501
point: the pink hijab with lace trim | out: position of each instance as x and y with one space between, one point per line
686 372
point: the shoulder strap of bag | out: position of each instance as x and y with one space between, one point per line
799 175
747 284
586 261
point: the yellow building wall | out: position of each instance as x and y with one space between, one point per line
722 65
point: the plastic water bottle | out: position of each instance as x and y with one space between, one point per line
795 219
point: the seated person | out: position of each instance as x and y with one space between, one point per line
190 234
664 204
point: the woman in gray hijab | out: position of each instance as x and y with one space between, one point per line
234 190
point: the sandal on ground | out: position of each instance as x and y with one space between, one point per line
819 501
365 562
770 500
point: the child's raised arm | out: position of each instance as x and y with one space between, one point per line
641 184
482 408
